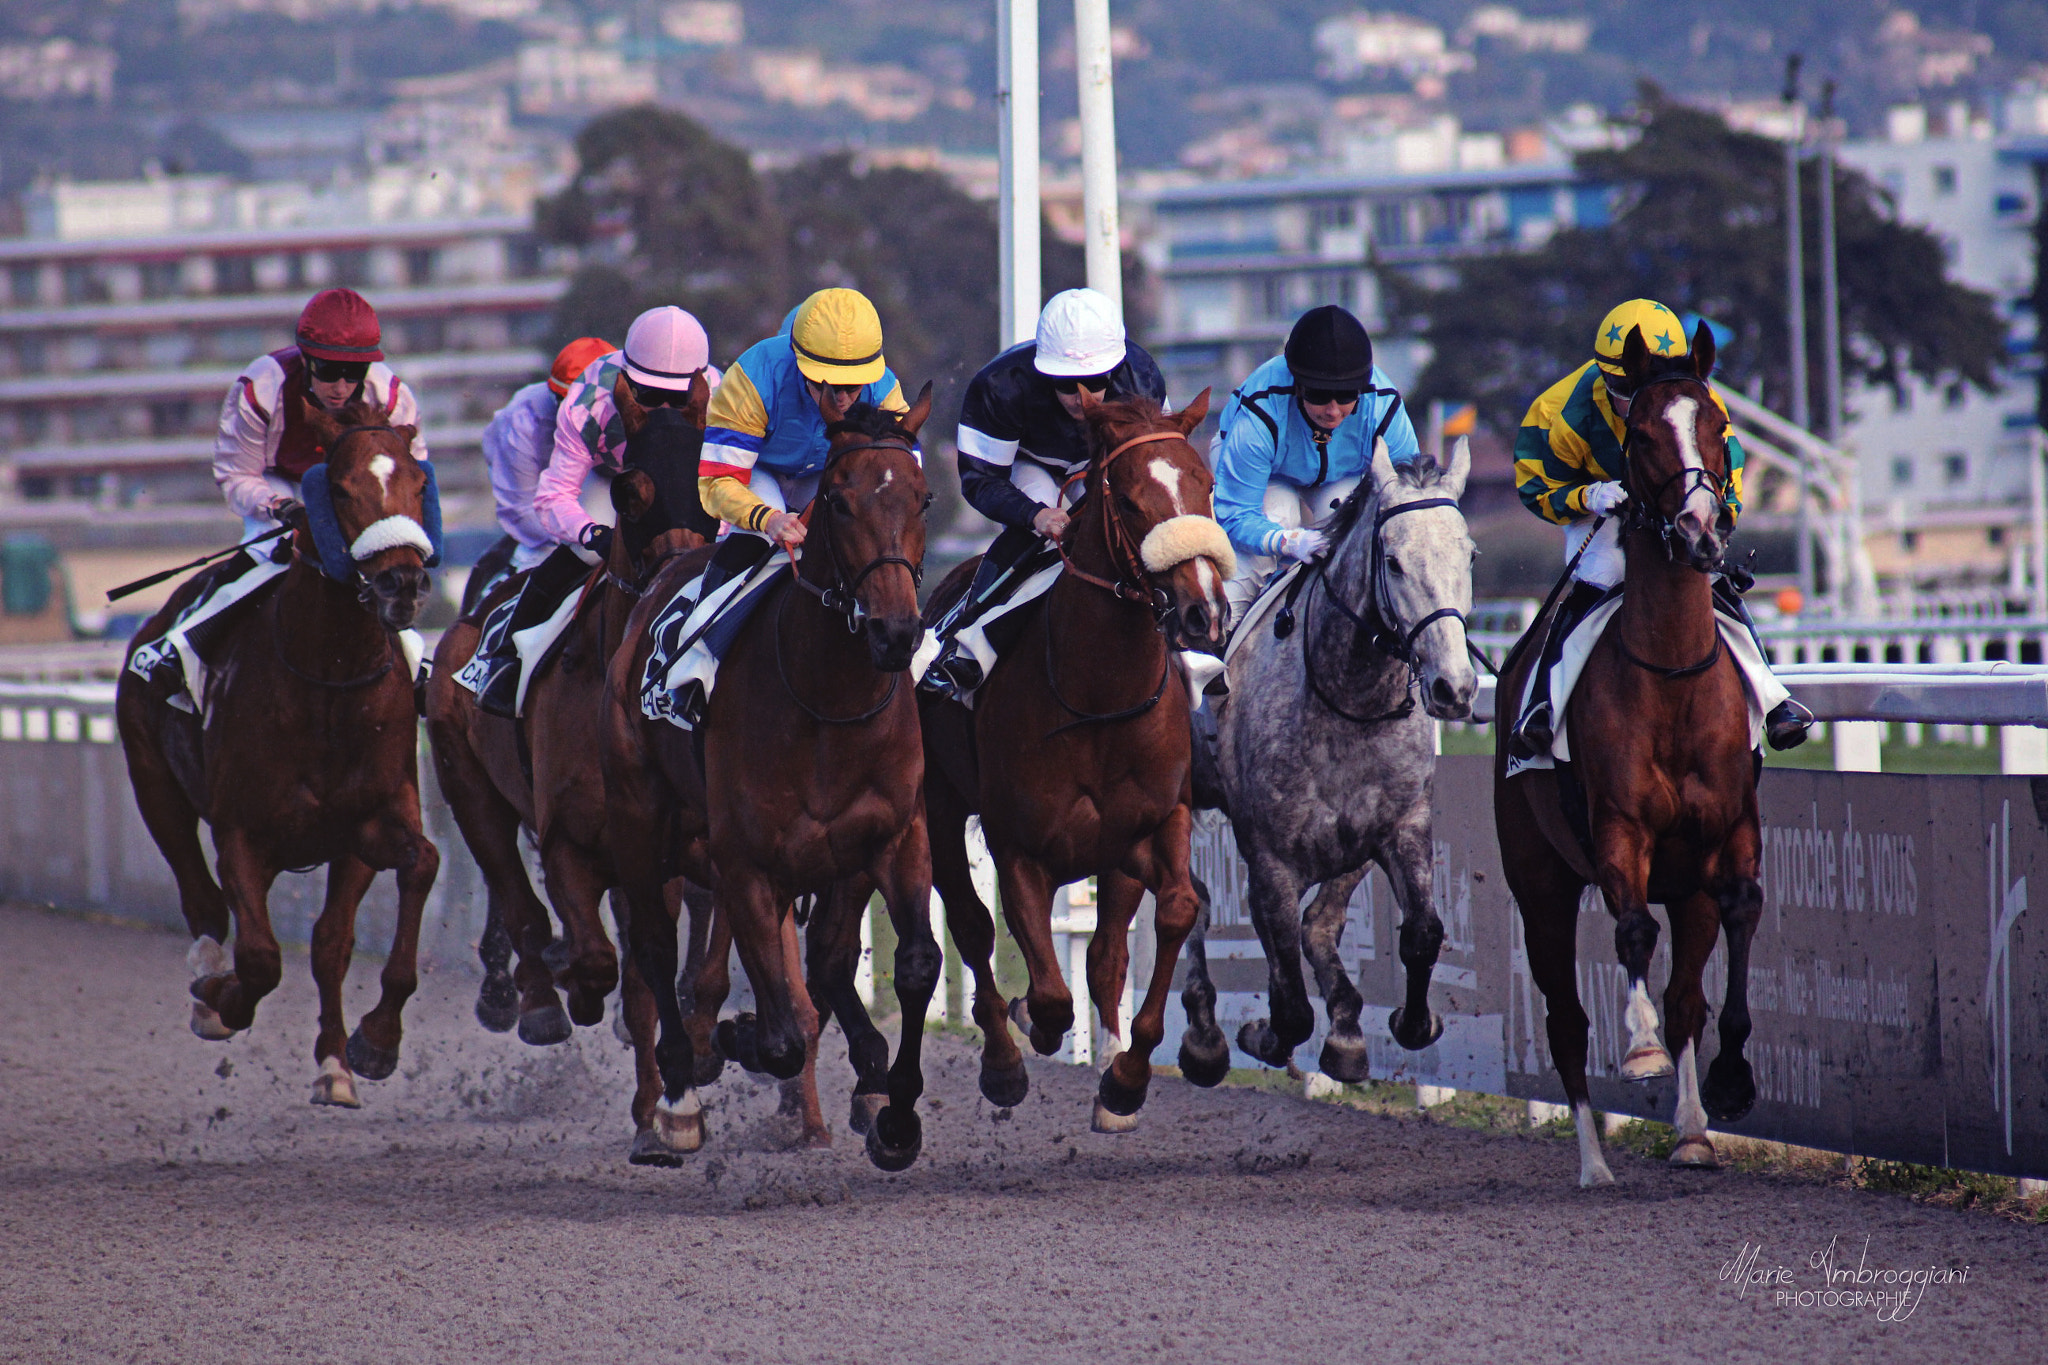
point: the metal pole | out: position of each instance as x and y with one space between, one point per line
1795 310
2037 502
1017 209
1098 150
1830 284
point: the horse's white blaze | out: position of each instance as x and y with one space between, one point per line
888 477
382 468
1690 1117
1212 586
1592 1165
1168 477
1684 417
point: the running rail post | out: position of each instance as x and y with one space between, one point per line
1017 209
1098 150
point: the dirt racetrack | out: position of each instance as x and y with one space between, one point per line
165 1199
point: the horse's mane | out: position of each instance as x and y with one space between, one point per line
865 419
1112 416
361 412
1421 472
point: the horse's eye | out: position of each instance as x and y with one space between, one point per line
837 502
1394 567
926 506
1125 502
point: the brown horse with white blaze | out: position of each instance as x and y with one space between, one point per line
307 754
1076 754
1667 771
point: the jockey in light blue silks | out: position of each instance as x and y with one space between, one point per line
1294 441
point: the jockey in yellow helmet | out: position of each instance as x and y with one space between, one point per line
1568 471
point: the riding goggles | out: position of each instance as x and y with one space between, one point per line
1318 397
649 397
332 371
1074 383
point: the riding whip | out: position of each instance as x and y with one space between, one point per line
139 584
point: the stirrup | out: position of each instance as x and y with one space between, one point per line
1532 735
1786 726
960 668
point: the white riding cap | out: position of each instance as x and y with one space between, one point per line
1080 332
665 346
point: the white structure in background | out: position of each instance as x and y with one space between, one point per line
880 94
578 77
1945 470
54 70
1352 45
705 23
1510 27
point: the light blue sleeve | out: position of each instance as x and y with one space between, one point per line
1402 446
1243 470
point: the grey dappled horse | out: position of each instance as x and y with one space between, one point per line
1324 761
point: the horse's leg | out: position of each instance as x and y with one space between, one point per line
1204 1054
1047 1010
1322 931
1162 864
903 873
1695 922
707 970
636 1011
173 821
1731 1088
1004 1081
755 909
673 1124
334 943
258 962
1276 914
1409 860
799 1098
373 1047
1548 898
576 886
1624 871
1117 897
833 944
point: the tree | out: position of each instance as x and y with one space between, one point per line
1698 225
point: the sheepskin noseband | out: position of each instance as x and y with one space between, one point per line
391 533
1179 539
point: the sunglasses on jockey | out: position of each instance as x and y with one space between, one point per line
1319 397
1074 383
334 371
649 397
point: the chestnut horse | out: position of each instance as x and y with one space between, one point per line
307 754
1076 754
1669 784
543 771
805 773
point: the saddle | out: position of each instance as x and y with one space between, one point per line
176 661
691 637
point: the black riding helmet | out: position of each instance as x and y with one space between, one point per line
1329 348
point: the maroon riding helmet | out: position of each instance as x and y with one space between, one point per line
339 324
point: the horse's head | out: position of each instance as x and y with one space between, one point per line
1402 547
868 520
1156 488
379 495
663 444
1676 468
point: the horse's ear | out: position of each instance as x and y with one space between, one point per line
408 434
700 400
1461 467
919 411
1635 358
1703 350
322 423
1383 472
1190 417
630 412
632 494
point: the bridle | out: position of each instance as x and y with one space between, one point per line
363 596
841 594
1643 510
1132 583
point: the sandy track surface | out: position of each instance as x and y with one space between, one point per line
164 1199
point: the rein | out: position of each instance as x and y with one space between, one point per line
841 596
1643 515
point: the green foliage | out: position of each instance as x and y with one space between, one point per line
1699 226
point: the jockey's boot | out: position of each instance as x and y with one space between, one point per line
1786 726
736 556
547 584
1537 728
956 672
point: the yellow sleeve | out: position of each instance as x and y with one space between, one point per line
894 402
729 499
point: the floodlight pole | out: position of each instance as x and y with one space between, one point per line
1098 149
1017 207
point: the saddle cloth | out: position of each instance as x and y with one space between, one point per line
1762 689
974 638
690 637
529 646
183 646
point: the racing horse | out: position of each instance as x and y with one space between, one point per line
1324 760
805 774
303 750
543 771
1670 806
1076 754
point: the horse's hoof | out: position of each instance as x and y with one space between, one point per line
739 1038
1595 1176
677 1131
1413 1039
1344 1058
1005 1087
335 1086
1696 1153
1646 1063
707 1064
861 1117
1043 1042
1122 1100
545 1026
1257 1039
497 1004
206 1024
369 1061
1730 1090
1104 1121
895 1139
555 957
585 1007
1206 1061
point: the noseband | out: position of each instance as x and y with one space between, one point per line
841 595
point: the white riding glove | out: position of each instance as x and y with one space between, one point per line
1303 543
1603 498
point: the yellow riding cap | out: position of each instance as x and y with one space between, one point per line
1662 331
837 338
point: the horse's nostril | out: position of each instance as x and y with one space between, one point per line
1197 618
1444 692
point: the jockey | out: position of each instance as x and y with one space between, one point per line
263 447
1023 434
1294 441
519 442
1567 469
765 444
666 348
